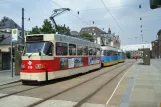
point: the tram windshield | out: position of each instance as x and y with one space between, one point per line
45 48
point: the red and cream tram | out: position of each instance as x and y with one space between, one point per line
51 56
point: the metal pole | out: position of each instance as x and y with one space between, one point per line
11 56
22 25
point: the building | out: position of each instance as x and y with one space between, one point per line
96 32
101 37
134 49
113 40
6 26
136 53
155 49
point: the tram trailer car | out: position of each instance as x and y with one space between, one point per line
109 56
121 56
51 56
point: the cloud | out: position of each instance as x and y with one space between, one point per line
91 10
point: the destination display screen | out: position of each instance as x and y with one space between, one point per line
34 38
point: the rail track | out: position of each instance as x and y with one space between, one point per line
87 97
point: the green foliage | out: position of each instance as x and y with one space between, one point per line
87 36
35 30
128 55
63 30
47 28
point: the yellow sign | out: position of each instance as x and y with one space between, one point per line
14 31
14 35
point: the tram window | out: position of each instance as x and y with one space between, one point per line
94 51
90 51
48 49
79 50
104 52
72 49
98 51
85 50
61 48
108 53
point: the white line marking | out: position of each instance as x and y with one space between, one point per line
117 86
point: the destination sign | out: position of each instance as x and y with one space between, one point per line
34 38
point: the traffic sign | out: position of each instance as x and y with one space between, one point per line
14 35
155 4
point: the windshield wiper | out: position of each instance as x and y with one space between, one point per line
39 50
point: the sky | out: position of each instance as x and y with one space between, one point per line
125 21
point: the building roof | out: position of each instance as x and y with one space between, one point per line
92 30
159 32
5 38
155 41
135 47
8 23
6 41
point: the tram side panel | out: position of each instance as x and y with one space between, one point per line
106 60
57 68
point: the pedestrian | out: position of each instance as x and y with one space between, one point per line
136 58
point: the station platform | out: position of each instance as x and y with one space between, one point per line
139 87
6 77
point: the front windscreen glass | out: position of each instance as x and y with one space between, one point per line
45 48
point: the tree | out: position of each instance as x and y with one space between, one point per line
128 55
63 30
87 36
47 27
35 30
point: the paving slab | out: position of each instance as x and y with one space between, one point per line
142 87
146 90
6 77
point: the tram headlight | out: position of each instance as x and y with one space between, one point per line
40 66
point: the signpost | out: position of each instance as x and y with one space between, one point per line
155 4
14 38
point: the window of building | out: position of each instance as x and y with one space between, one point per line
85 50
79 50
93 29
72 49
61 48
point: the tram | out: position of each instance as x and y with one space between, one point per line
50 56
109 56
121 56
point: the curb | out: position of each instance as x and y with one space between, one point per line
10 82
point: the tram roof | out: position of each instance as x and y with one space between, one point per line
109 48
68 39
74 40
